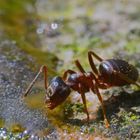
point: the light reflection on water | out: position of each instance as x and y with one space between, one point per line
44 27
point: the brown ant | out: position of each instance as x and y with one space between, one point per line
112 72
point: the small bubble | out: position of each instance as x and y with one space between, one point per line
54 26
20 135
26 132
40 30
33 137
4 137
4 132
10 135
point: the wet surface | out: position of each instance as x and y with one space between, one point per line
14 74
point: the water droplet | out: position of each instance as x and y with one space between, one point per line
54 26
42 27
32 136
40 30
4 137
20 135
26 132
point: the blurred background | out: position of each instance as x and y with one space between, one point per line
69 29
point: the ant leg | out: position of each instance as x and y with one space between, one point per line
80 88
95 55
127 79
82 94
96 90
43 68
84 102
85 105
66 74
79 66
91 62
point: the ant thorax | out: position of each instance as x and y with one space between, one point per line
82 79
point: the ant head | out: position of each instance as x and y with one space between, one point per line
57 92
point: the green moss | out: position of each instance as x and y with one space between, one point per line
14 17
1 122
133 46
128 118
42 58
66 9
70 108
16 128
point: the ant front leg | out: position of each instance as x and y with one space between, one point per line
79 66
80 88
84 101
91 62
42 69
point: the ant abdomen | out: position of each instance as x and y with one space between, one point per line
108 67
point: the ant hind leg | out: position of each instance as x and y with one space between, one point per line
96 90
84 102
91 62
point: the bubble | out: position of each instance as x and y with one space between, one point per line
20 136
4 137
40 30
54 26
34 137
26 132
42 27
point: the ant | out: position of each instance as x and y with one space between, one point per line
112 72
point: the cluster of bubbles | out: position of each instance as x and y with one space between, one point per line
25 135
43 27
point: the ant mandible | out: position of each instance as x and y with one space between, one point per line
112 72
